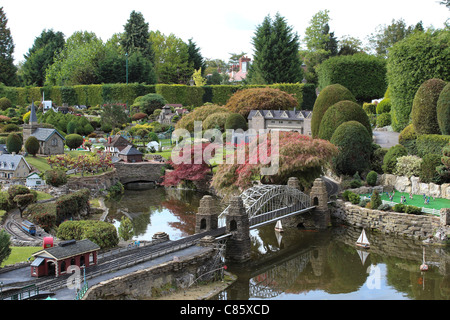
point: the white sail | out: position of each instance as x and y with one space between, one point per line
363 256
278 226
363 239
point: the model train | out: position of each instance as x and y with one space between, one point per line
28 227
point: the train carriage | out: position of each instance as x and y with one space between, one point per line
28 227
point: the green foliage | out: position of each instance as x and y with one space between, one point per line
125 229
362 74
384 106
328 97
150 102
384 120
408 138
412 61
101 233
375 200
216 121
369 108
199 114
5 244
355 148
371 178
114 115
443 110
5 103
236 121
423 113
413 210
72 204
13 143
399 207
408 166
431 143
276 58
32 145
428 167
55 178
390 159
339 113
354 198
74 140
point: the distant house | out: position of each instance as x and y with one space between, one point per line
50 140
281 120
34 181
166 115
116 144
130 154
241 74
13 166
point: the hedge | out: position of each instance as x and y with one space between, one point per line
412 61
99 94
362 74
431 143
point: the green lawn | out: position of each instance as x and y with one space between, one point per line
39 163
417 200
19 254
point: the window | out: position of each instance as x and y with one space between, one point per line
54 142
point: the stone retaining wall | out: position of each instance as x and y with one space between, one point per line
94 183
408 225
154 281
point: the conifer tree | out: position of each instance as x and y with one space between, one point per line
276 58
7 68
136 36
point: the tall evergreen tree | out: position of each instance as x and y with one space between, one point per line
7 68
41 55
195 57
137 36
276 58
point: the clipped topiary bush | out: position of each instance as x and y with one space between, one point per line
5 103
443 110
339 113
371 178
13 143
384 106
199 114
431 143
375 200
32 145
384 120
355 148
236 121
369 108
73 141
216 121
423 113
329 96
428 172
243 101
390 159
407 138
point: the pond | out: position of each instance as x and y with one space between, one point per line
302 264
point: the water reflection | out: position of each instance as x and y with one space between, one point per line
301 264
327 265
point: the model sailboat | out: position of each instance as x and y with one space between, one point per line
278 226
362 241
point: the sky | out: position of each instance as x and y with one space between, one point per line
219 28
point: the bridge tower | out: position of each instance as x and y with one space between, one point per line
319 198
207 216
237 223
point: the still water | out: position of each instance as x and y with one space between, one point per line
302 264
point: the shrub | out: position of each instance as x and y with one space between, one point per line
74 140
399 207
355 183
55 178
346 194
408 138
355 148
362 74
13 143
236 121
363 203
375 200
150 102
354 198
428 167
431 143
384 120
216 121
390 159
443 110
384 106
413 210
199 114
5 103
408 166
423 113
101 233
243 101
369 108
384 207
138 116
415 59
376 161
43 214
444 169
32 145
339 113
11 128
329 96
371 178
